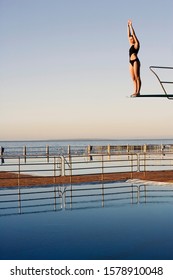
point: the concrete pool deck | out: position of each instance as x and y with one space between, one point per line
9 179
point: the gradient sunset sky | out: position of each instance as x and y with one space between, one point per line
64 70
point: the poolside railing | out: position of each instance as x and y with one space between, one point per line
52 167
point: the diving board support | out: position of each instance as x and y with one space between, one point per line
169 96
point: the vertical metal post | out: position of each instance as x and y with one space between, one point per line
1 154
132 193
131 166
63 199
145 164
128 150
145 148
55 198
62 166
1 151
103 194
109 150
71 172
19 173
54 169
69 151
138 193
102 157
19 200
24 153
47 152
89 152
138 162
145 193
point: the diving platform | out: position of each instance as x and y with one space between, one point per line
162 83
155 95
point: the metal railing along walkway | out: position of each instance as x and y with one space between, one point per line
21 167
84 150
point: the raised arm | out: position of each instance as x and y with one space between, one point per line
128 29
131 32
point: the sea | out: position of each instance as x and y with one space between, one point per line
94 141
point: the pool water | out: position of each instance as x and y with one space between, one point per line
87 222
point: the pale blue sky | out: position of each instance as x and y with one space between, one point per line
64 69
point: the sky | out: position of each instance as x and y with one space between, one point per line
64 70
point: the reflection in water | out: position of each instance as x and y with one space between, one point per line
118 220
57 198
30 200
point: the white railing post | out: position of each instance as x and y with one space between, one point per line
109 150
62 166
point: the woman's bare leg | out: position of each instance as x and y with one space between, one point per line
132 73
136 69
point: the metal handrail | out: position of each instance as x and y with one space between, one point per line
83 165
162 82
48 150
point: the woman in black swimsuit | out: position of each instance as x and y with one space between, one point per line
134 60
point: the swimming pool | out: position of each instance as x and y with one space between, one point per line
116 220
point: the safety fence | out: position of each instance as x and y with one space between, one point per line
21 167
70 150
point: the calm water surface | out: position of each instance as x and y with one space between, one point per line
112 221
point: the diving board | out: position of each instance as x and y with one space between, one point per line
154 95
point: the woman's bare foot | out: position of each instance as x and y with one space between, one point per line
135 94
